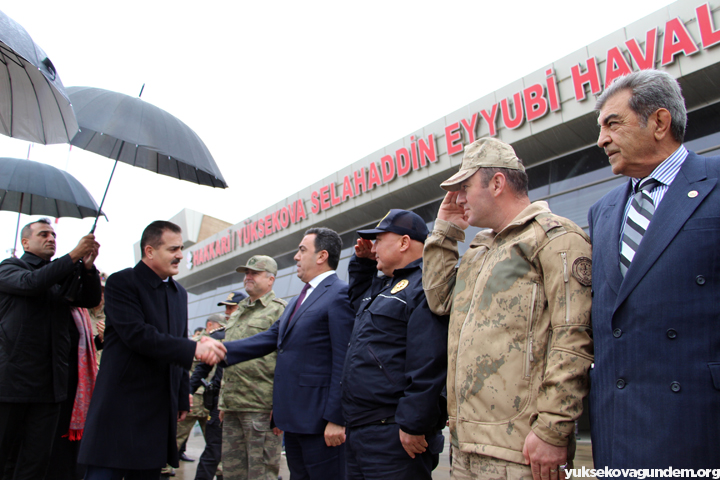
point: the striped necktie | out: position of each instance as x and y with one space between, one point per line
638 219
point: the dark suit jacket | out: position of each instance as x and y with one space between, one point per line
141 384
311 352
655 388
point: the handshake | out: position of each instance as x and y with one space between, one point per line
210 351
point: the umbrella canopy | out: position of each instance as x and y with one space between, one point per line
33 102
132 131
35 188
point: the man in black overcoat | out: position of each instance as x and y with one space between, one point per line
142 388
35 323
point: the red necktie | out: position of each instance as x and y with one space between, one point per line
300 300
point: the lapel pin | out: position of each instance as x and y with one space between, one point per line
692 193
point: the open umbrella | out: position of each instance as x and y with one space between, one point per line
130 130
33 102
135 132
35 188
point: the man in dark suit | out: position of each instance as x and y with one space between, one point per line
311 338
142 388
654 395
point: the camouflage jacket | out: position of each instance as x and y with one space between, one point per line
519 341
248 386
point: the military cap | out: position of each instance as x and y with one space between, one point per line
233 298
401 222
484 153
259 263
217 318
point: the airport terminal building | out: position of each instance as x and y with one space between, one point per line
547 116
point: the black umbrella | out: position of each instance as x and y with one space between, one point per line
132 131
135 132
33 102
35 188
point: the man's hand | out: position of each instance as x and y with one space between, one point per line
182 415
334 434
86 248
276 431
544 459
221 415
89 259
101 329
450 211
191 401
210 351
363 249
413 444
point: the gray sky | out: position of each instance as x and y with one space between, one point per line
283 93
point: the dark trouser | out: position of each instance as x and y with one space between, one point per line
26 438
211 456
374 452
102 473
309 458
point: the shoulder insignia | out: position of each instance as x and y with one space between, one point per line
280 301
582 270
400 286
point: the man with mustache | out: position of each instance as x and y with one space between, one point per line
142 388
35 340
519 339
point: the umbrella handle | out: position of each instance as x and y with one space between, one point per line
102 202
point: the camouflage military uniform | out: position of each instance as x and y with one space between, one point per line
250 449
198 413
519 341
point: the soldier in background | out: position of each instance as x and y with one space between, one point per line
519 340
209 464
231 302
250 448
198 413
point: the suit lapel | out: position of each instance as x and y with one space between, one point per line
610 220
286 316
317 292
669 218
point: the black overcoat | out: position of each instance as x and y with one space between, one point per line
143 378
34 326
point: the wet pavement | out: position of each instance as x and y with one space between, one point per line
196 444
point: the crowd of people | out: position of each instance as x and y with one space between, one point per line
358 379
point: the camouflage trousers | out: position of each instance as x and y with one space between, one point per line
250 450
471 466
185 427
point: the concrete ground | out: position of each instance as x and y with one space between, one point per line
196 444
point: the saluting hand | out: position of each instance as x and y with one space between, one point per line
363 249
450 211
